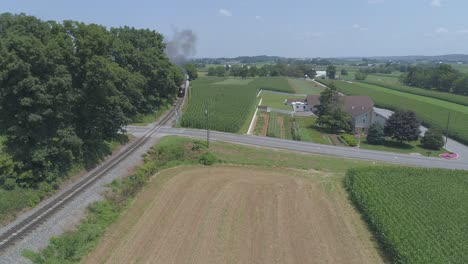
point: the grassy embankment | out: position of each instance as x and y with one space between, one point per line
417 215
72 246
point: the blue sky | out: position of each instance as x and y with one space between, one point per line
294 28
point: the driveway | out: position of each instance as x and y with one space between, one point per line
452 145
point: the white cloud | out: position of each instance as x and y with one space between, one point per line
359 27
258 17
444 31
436 3
225 12
462 31
441 30
372 2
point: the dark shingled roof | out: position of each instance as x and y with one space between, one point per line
356 105
313 100
353 105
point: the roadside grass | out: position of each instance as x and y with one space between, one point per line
235 81
274 100
432 112
402 147
143 120
174 151
301 86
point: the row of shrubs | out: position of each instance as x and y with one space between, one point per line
348 139
71 247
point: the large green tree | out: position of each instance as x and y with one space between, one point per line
330 114
403 126
66 88
376 135
331 72
191 70
433 139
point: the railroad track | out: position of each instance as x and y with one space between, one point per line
17 232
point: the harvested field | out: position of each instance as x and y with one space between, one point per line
237 215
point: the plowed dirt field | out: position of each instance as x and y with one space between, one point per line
227 214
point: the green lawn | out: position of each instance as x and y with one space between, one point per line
382 78
407 148
301 86
274 100
236 81
309 132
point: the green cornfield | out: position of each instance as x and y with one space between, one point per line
449 97
417 215
230 106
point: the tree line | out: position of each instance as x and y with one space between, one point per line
442 78
66 88
279 69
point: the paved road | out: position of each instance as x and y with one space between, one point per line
300 146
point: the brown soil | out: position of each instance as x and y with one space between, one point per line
281 124
266 120
237 215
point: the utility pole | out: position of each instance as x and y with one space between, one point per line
207 128
447 131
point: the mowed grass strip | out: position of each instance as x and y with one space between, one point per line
302 86
418 215
236 81
433 112
278 84
275 100
449 97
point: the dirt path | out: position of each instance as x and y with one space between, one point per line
281 124
236 215
266 120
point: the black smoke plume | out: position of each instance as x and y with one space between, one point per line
181 46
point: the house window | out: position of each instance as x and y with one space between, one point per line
304 106
297 107
364 120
